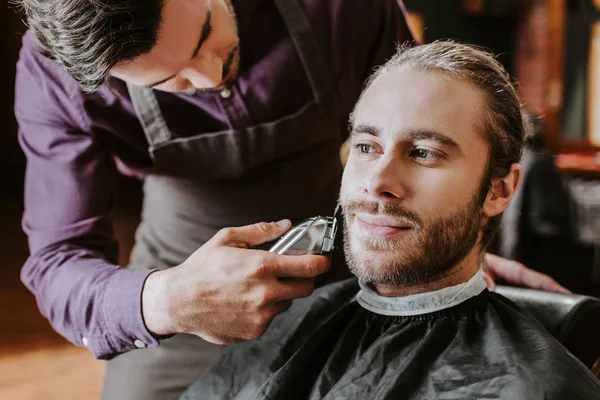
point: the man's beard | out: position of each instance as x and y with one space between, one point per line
419 256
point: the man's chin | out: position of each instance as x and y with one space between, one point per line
375 265
380 273
392 266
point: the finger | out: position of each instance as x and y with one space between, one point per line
489 281
537 280
491 263
252 235
485 266
502 268
291 289
298 266
517 274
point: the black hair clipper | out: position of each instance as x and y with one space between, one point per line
316 236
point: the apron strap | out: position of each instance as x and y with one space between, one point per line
307 47
148 110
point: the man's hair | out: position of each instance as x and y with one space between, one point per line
502 123
89 37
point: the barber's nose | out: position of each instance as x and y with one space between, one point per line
384 182
205 72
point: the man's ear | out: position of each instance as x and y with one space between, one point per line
501 192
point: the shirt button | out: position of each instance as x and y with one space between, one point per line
139 344
225 93
85 341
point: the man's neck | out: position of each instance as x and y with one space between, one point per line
458 274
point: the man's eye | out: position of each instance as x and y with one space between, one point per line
423 154
364 148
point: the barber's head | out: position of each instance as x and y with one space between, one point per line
436 138
176 45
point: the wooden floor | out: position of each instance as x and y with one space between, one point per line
35 362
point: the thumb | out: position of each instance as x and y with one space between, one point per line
255 234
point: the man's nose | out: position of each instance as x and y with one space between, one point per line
205 72
385 181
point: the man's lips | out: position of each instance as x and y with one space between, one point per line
382 221
375 225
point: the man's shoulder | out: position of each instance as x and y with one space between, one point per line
554 373
539 362
35 69
45 93
35 64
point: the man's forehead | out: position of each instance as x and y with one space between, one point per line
409 99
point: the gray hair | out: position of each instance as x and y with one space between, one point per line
89 37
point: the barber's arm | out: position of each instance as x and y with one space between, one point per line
72 268
224 292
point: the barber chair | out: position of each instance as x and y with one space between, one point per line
574 320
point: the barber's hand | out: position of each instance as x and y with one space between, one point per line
225 292
517 274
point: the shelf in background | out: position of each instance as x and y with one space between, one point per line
584 164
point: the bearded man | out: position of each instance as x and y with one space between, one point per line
436 140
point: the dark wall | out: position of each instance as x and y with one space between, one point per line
581 15
493 29
12 161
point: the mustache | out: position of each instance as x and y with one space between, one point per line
384 209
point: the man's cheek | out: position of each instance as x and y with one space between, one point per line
347 183
352 178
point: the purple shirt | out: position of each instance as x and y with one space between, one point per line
73 142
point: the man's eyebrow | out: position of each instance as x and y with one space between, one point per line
206 31
425 134
413 134
368 129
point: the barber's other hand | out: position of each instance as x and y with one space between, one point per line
517 274
226 292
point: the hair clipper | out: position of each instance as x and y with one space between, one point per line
316 236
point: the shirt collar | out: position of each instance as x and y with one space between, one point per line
421 303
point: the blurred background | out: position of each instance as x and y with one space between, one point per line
550 47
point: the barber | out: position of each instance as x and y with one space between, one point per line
233 113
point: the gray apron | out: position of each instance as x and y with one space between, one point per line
288 168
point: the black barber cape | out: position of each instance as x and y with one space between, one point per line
330 346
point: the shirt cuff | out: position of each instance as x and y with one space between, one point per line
122 306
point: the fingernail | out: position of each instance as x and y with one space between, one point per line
283 223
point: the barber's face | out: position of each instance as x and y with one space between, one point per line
197 48
410 191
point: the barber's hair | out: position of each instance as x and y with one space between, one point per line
502 121
89 37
